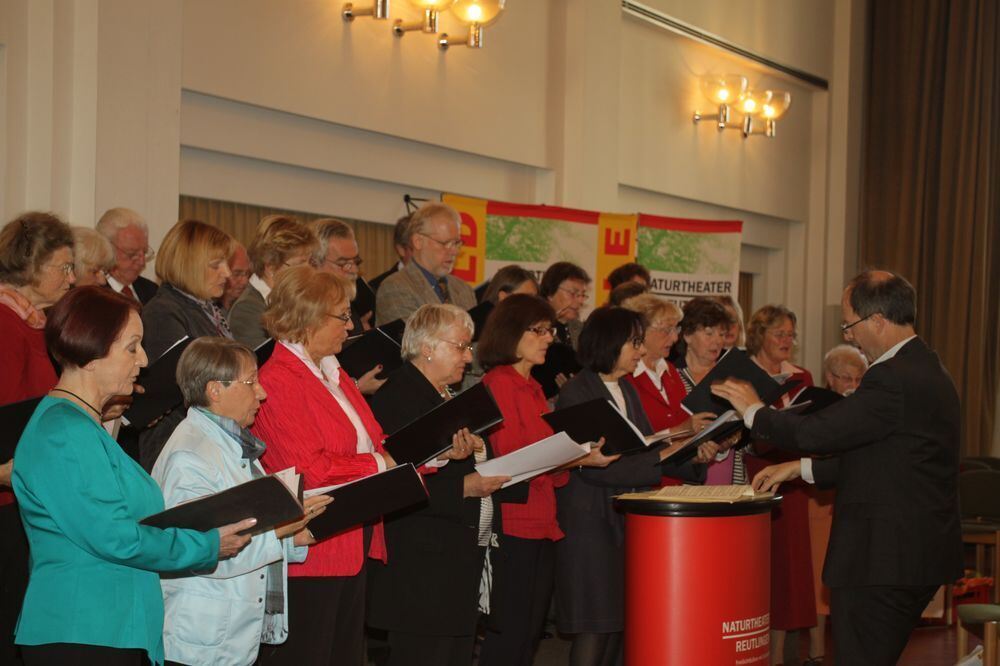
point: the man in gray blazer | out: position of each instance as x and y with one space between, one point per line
436 240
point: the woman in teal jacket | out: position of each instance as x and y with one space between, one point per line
94 591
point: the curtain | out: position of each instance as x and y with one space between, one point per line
240 221
930 196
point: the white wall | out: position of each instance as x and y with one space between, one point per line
571 102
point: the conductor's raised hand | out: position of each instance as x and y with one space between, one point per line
230 541
768 479
739 393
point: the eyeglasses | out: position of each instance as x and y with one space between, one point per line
455 244
543 330
240 273
66 269
636 343
346 317
134 255
458 345
346 264
574 293
249 382
845 327
784 335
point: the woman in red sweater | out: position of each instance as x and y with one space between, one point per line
36 269
315 420
515 339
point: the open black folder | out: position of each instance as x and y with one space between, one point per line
363 352
591 420
430 435
263 351
737 364
816 398
13 420
365 499
267 499
162 394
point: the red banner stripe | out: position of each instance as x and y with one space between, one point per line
684 224
543 212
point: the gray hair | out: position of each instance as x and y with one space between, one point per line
91 250
428 323
843 355
423 215
209 359
116 219
326 228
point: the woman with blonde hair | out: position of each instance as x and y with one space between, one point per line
317 421
280 242
192 266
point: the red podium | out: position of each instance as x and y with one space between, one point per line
697 582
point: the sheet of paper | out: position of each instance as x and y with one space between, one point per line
535 459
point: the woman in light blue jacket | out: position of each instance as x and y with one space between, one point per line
222 616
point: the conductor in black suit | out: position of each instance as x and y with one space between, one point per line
896 534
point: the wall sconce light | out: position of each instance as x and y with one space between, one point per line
379 9
771 105
429 24
478 14
730 93
722 91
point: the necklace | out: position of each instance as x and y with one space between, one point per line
61 390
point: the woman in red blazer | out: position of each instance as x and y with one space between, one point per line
771 342
515 338
658 382
316 421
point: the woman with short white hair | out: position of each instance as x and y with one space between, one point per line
460 516
93 257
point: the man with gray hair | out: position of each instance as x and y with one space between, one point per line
339 254
893 451
127 232
437 240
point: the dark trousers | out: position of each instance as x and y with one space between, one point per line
422 650
326 619
13 579
521 597
872 624
75 654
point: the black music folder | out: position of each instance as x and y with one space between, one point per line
736 363
430 435
364 298
373 347
263 351
815 398
560 358
591 420
480 314
394 329
366 499
162 394
267 499
13 420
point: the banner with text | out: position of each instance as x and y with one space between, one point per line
705 259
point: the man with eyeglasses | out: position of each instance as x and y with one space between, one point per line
239 278
437 241
339 254
129 236
894 450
